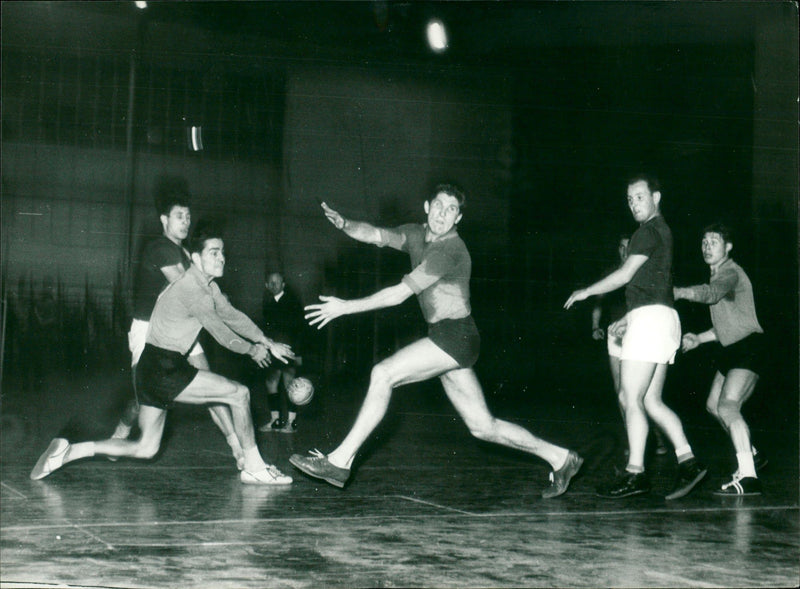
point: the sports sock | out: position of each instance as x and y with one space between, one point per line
684 453
634 468
233 442
560 464
253 461
746 466
122 432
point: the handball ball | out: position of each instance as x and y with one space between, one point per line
300 391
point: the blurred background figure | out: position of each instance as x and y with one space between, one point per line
283 320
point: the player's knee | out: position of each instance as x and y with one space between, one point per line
380 378
728 411
240 396
146 449
713 409
485 429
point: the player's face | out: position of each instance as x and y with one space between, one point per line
714 248
443 213
622 249
176 224
642 203
212 258
275 284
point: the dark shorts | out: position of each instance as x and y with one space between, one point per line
459 338
747 353
162 375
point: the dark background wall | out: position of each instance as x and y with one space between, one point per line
539 110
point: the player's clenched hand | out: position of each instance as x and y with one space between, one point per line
333 216
260 355
618 328
689 341
576 296
323 313
282 352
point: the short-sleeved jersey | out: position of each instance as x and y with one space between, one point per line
440 270
194 302
733 308
150 280
652 283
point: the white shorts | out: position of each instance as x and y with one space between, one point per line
137 336
653 335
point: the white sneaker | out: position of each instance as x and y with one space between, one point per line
51 460
267 476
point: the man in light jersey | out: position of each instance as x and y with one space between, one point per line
164 375
735 327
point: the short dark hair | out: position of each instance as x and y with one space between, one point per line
451 190
725 232
171 192
201 236
653 184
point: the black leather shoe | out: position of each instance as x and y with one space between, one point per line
625 485
690 472
278 424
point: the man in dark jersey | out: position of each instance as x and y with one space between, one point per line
164 260
441 268
283 319
164 375
610 308
652 334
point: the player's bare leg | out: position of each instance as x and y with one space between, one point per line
466 394
416 362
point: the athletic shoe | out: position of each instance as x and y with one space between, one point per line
690 472
625 485
740 486
51 460
318 466
760 462
266 476
559 479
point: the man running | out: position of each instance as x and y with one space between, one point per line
441 268
164 375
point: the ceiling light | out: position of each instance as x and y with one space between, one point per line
437 36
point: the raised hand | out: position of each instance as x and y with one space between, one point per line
333 216
323 313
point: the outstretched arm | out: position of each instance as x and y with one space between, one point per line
330 308
723 283
617 279
358 230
